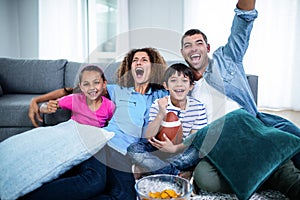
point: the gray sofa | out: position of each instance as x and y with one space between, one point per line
23 79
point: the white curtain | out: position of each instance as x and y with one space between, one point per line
273 50
62 29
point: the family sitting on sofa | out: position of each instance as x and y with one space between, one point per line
240 150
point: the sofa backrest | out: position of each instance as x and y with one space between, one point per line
110 69
73 68
71 72
31 76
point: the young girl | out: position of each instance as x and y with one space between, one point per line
88 106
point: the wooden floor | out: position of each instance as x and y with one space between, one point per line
293 116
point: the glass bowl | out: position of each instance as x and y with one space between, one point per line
161 182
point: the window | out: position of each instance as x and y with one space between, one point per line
82 30
102 30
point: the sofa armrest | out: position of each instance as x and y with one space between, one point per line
1 91
59 116
253 82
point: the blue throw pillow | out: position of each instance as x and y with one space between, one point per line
244 150
42 154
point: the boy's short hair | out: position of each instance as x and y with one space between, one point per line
180 68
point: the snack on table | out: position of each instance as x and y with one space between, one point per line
165 194
163 186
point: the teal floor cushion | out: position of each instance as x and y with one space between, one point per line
244 150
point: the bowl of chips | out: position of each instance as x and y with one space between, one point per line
163 186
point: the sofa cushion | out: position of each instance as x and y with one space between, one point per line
61 115
14 110
40 155
7 132
244 150
31 76
253 83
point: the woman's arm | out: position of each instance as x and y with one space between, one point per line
34 112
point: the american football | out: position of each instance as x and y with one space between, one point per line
172 128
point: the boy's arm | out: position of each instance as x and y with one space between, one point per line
34 112
154 126
167 145
180 147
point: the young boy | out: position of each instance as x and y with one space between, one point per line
152 154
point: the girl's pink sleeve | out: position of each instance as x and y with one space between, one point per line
66 102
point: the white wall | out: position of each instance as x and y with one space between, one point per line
28 28
9 37
157 23
19 28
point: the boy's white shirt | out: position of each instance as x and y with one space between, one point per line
176 123
171 105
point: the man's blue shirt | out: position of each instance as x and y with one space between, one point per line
225 71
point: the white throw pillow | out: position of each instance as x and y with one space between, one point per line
40 155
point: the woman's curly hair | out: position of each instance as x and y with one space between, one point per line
158 67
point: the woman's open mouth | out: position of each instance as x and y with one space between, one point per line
139 72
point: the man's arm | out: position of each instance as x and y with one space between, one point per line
246 4
34 112
238 41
